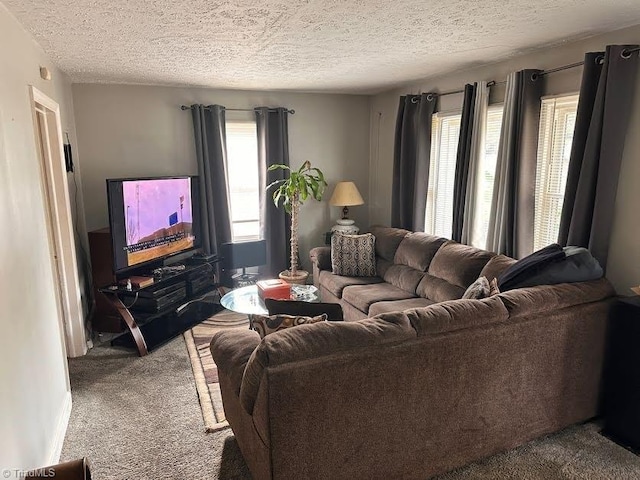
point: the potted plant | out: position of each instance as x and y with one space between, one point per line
302 184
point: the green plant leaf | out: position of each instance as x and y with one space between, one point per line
272 184
277 166
302 188
314 189
305 166
276 196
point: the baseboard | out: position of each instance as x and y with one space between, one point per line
61 430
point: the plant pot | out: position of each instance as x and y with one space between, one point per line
299 279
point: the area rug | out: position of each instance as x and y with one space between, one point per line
204 368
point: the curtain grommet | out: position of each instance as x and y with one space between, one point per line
626 53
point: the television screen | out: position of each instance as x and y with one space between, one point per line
151 218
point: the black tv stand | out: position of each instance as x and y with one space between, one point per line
171 305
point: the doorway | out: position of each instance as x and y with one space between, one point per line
60 231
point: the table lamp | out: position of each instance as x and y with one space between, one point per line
346 195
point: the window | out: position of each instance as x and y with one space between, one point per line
486 174
445 130
244 198
557 123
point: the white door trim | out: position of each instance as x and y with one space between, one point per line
54 180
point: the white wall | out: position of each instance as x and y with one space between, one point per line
624 255
34 396
127 131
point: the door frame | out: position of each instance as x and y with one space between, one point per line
55 189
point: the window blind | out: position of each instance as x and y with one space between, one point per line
242 172
445 132
486 175
557 124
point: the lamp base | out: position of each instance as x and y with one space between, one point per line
349 229
345 221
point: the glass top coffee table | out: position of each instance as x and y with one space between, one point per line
246 299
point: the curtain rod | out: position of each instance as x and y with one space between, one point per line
431 96
626 53
291 111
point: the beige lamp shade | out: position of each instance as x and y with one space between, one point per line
346 194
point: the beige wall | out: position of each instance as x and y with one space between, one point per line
624 256
35 396
127 131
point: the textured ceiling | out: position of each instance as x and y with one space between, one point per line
311 45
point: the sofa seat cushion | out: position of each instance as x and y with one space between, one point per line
362 296
336 283
398 305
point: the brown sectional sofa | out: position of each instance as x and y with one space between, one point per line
414 270
410 394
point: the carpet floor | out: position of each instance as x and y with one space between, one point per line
139 418
204 368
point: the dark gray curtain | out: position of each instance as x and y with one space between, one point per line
606 97
275 223
412 150
513 204
211 153
463 161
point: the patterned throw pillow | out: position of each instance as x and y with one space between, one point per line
478 289
266 324
493 287
353 255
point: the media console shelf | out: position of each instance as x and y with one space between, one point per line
150 316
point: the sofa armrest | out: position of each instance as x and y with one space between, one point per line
321 256
321 260
231 350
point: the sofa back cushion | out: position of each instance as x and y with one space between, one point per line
382 266
411 260
453 315
317 340
416 250
547 298
387 240
403 277
453 268
496 266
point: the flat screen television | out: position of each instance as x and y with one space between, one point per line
152 219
